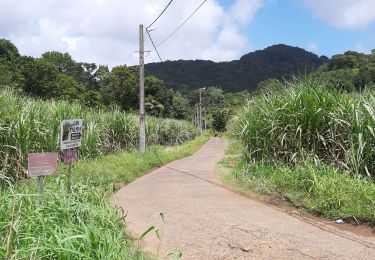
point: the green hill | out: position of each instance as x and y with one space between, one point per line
278 61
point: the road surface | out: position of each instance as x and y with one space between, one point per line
207 221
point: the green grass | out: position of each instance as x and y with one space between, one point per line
81 223
29 125
309 143
311 185
307 117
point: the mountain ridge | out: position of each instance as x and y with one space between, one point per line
276 61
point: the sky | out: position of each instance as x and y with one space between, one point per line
107 31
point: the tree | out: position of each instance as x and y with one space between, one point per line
82 72
39 78
8 50
92 98
153 107
219 122
180 106
365 76
348 60
121 88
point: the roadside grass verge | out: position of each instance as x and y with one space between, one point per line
32 125
79 223
309 185
308 116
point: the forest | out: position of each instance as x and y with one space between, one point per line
58 76
278 61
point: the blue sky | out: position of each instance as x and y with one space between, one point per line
292 22
106 31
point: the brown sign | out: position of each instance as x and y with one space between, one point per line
70 156
42 164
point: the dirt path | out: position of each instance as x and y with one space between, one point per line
206 221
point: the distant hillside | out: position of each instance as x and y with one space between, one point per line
278 61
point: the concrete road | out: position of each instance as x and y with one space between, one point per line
207 221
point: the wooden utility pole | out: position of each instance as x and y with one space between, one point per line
142 116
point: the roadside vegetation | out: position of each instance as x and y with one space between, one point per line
28 125
311 144
79 223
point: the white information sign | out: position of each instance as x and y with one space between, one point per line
71 134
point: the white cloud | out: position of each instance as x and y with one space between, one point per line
226 47
344 14
360 47
313 47
243 11
106 31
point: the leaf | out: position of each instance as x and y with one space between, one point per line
147 231
157 231
177 254
371 130
370 110
162 216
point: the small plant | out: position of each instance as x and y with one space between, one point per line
159 233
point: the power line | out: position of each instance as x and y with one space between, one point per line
155 48
178 28
153 44
159 15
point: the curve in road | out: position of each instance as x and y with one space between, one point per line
207 221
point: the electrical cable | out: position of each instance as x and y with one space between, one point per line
153 44
178 28
157 18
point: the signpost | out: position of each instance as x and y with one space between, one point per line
70 157
71 134
40 165
71 138
44 164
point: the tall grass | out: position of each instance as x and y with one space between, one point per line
307 118
28 125
79 223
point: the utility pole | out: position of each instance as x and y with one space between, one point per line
205 120
197 116
200 111
142 116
